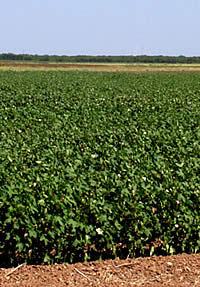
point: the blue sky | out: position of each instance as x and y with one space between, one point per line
100 27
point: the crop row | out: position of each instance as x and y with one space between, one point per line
98 165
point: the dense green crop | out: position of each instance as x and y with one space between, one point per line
96 165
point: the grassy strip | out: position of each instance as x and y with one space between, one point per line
102 67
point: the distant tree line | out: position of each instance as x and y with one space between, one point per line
99 59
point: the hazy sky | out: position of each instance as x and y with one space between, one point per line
100 27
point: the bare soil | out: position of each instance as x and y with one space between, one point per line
179 270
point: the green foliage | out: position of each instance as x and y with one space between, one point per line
100 59
98 165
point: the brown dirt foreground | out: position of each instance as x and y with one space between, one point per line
179 270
